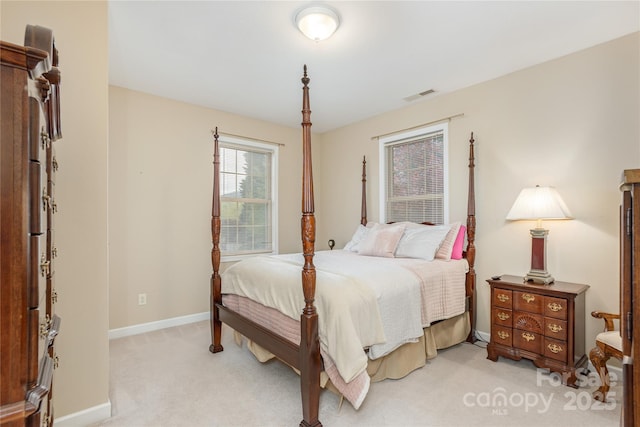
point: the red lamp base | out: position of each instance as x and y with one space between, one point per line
538 272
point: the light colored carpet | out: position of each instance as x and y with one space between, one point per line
169 378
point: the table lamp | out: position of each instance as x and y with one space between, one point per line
538 203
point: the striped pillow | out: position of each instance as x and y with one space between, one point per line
446 248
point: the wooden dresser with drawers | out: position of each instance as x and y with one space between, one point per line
543 323
30 124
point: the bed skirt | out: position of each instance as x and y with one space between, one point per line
412 356
397 364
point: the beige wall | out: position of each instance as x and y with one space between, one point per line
80 30
571 123
160 169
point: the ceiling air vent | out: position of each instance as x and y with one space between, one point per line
419 95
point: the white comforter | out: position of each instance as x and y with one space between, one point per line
362 302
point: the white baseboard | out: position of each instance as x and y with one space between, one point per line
102 412
154 326
85 417
484 336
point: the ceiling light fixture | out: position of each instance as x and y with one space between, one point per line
317 22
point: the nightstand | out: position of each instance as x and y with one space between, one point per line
543 323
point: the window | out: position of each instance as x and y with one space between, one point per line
413 168
248 198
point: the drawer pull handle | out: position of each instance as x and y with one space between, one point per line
44 332
44 327
44 139
45 265
528 336
503 297
54 328
45 199
554 328
528 297
503 316
554 306
503 335
554 348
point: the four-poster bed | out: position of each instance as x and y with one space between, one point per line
312 345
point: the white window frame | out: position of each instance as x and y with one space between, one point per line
384 142
273 149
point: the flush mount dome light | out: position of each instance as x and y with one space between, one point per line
317 22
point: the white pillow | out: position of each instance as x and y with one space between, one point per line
422 242
361 231
381 240
446 248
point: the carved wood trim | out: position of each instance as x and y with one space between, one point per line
470 252
310 365
216 284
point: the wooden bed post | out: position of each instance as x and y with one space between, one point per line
216 292
471 247
363 208
309 339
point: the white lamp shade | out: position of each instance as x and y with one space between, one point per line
317 22
539 203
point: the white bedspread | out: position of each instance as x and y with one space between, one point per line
362 302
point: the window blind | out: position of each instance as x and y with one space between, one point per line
414 176
246 200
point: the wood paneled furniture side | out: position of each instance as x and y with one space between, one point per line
629 294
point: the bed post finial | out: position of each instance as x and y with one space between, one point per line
216 284
363 208
305 81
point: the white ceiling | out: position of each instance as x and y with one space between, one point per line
247 57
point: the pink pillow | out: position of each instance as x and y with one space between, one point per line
456 253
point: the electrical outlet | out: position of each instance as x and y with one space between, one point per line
142 299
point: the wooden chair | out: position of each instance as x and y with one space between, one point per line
608 344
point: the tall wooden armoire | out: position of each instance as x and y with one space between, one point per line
630 295
29 125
